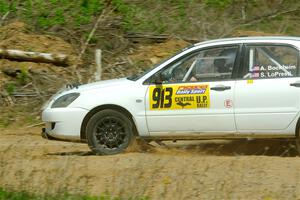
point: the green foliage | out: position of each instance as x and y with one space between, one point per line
290 29
182 8
128 12
55 12
23 76
139 19
4 7
179 17
8 195
14 196
10 88
86 10
4 123
218 3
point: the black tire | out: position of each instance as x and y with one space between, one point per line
109 132
297 140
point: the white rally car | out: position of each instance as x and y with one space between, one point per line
225 88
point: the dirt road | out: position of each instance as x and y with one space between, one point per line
240 169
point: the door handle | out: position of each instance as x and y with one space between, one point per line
220 88
296 84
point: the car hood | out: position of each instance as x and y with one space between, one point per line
88 87
102 84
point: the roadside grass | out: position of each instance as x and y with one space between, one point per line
44 14
23 195
184 18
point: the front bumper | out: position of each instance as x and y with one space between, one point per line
63 123
46 136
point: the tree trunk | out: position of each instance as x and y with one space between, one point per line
57 59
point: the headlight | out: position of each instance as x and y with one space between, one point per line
46 104
65 100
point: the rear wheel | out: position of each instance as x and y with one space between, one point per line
109 132
298 144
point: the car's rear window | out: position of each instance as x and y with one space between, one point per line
271 61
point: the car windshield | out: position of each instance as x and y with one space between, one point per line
136 77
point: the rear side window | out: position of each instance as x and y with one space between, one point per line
270 61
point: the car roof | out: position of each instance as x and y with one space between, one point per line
249 39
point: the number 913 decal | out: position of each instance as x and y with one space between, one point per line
179 97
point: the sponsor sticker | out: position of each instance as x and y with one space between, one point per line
228 103
179 97
250 81
273 71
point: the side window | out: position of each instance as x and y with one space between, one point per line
205 65
271 61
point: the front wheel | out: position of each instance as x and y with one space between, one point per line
109 132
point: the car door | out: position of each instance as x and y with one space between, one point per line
195 95
267 96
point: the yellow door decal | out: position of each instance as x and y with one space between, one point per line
179 97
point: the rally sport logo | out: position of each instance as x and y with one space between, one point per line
192 89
